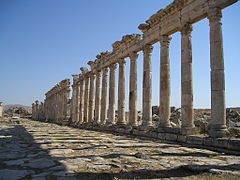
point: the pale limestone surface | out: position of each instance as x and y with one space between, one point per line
34 149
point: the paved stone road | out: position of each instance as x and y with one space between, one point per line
35 150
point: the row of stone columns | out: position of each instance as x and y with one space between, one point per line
218 110
56 106
38 111
93 98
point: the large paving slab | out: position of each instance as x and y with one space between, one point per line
36 150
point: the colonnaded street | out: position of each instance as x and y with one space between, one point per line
37 150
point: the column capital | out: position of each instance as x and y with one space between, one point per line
214 15
87 74
91 74
84 70
186 29
105 70
98 73
147 49
121 61
113 66
165 40
133 56
81 78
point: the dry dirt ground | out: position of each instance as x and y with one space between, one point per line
39 151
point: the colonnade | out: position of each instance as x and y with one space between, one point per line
94 90
56 106
38 111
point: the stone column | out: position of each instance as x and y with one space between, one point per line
68 103
187 113
91 98
73 101
98 97
217 126
36 110
77 102
147 86
81 97
165 88
104 96
1 110
112 86
33 110
133 90
121 92
86 97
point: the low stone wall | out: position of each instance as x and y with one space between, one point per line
226 145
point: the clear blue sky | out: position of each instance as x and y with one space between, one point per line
45 41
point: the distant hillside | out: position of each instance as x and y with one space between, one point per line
6 107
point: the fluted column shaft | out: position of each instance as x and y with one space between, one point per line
165 87
86 98
186 78
121 92
133 90
218 110
104 95
147 85
91 99
98 97
112 87
81 105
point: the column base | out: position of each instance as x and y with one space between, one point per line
164 125
168 130
189 130
120 123
146 127
108 123
218 131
